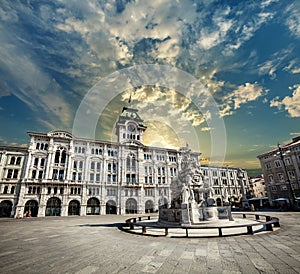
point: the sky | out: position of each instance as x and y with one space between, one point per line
243 57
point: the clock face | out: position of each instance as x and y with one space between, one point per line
131 128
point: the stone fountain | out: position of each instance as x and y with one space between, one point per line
191 201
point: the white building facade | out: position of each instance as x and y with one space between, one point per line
60 174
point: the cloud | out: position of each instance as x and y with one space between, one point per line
290 104
239 96
293 21
293 67
276 62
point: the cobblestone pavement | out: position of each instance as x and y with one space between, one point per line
95 244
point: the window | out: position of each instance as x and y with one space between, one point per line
92 177
61 175
291 174
283 187
288 161
280 177
277 163
33 174
12 160
5 190
40 174
268 165
36 161
12 190
9 174
274 188
271 178
55 174
18 161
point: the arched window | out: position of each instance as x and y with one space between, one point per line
42 162
34 190
12 160
5 190
12 190
36 161
109 167
37 146
18 161
29 190
57 156
46 147
33 175
63 156
42 146
93 151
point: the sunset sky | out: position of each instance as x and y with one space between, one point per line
245 55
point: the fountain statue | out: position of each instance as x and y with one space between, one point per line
191 201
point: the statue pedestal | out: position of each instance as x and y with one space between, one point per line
185 216
195 216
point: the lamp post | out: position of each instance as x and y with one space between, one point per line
240 177
291 190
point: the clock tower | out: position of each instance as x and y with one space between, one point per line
130 128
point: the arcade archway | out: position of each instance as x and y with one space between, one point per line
93 207
5 208
111 207
53 207
131 206
149 206
74 208
32 208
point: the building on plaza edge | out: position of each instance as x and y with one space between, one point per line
60 174
281 170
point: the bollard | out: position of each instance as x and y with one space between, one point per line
249 230
166 231
220 232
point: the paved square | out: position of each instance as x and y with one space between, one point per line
94 244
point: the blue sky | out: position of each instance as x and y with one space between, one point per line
245 53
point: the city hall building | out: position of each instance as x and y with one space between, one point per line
59 174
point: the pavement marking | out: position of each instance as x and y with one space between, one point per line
152 267
30 239
201 252
145 259
261 264
231 272
187 255
52 236
87 270
297 257
7 253
165 252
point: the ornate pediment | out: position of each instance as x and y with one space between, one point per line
60 134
